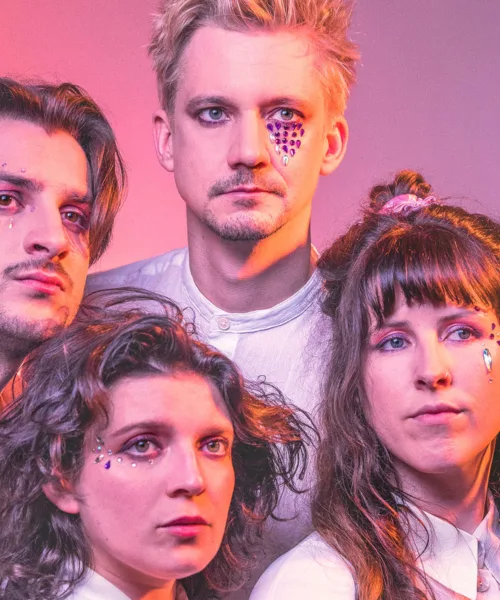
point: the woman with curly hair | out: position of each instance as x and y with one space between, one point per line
405 505
137 463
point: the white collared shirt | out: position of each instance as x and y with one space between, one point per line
96 587
284 343
454 558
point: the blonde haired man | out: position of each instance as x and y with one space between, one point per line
253 94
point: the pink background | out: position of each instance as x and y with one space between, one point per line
428 98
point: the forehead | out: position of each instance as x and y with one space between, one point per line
55 160
184 400
249 65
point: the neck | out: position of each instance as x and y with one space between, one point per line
247 276
459 496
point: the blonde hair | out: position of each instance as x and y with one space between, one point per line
325 21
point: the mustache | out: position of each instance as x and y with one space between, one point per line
245 177
39 264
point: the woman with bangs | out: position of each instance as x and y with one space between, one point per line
405 506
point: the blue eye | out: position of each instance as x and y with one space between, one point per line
212 116
395 342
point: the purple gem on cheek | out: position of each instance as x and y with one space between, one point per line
285 133
297 143
292 142
493 325
278 140
301 132
285 148
292 152
270 126
278 125
294 134
498 343
107 465
492 336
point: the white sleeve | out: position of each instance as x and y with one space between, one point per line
311 570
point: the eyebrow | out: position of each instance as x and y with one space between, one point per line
451 317
32 185
159 425
202 101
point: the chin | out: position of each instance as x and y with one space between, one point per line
243 228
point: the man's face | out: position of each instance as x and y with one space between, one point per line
44 217
233 86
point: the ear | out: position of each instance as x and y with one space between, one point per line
162 132
61 494
336 137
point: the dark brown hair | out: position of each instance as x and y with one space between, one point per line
438 253
67 107
42 549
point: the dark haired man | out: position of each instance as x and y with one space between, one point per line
61 178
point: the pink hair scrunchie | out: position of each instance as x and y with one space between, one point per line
406 204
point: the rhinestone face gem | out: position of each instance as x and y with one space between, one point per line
119 459
98 458
134 464
283 136
107 465
487 360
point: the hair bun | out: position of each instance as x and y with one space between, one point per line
405 182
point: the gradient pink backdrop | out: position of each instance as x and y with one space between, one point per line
427 98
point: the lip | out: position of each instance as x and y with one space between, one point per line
185 527
437 413
243 189
186 520
44 282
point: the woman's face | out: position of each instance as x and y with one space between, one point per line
433 403
154 506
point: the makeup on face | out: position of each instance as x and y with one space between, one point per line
286 137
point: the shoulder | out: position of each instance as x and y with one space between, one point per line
150 273
311 569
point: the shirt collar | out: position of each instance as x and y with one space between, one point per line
96 587
452 556
256 320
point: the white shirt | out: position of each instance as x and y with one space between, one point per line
454 558
284 343
96 587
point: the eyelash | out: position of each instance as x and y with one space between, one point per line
209 123
152 440
475 334
82 225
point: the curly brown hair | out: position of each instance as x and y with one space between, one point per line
439 253
43 551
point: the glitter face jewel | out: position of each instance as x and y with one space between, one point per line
103 454
488 361
286 138
11 223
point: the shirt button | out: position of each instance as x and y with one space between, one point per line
224 323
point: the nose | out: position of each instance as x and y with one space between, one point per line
250 143
432 367
185 476
46 236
